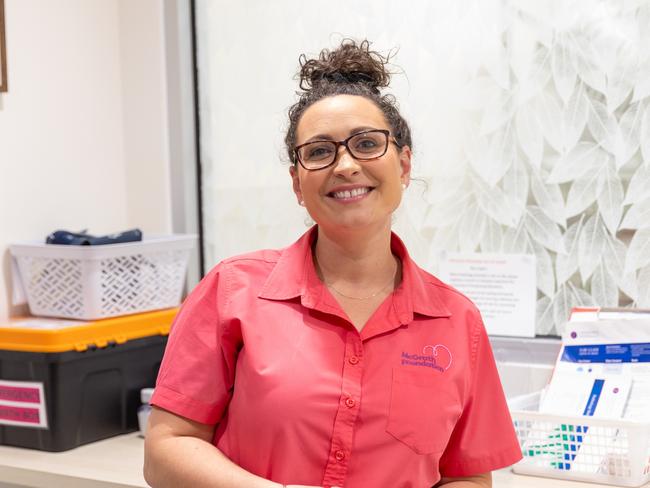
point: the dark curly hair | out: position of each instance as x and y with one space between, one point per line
350 69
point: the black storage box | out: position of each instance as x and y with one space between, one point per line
85 394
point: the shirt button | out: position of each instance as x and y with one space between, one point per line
339 455
353 360
350 402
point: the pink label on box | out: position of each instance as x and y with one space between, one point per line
20 394
20 414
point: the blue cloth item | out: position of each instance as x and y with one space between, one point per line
83 239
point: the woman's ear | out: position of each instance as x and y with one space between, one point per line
405 156
293 172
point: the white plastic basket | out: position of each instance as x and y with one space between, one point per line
614 452
94 282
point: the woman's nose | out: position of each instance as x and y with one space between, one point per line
345 163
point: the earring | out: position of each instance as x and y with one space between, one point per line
403 186
301 203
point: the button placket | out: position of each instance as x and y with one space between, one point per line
346 415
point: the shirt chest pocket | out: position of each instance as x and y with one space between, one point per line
424 408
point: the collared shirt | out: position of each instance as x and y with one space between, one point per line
299 396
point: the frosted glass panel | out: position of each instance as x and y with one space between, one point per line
531 125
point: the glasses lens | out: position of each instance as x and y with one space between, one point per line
368 145
317 154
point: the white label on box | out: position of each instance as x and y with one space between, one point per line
502 286
43 324
22 403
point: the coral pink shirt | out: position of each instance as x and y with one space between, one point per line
262 349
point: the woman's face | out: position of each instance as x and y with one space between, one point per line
350 194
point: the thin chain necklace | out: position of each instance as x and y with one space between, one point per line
372 295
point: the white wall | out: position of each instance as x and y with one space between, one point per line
83 136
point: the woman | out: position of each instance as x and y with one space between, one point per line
335 361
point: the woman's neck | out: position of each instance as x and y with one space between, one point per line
355 259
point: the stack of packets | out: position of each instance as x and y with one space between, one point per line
602 371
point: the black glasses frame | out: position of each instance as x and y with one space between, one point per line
344 142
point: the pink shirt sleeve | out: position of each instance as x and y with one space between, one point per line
484 437
198 369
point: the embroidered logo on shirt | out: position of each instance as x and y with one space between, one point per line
437 357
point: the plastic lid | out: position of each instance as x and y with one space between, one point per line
145 395
51 335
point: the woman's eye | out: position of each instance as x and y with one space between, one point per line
365 144
319 152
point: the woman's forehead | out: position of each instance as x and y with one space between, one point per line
338 114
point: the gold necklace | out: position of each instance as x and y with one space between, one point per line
331 287
372 295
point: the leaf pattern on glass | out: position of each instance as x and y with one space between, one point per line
603 287
645 136
619 83
583 192
542 182
643 297
543 230
498 111
515 184
583 159
530 135
610 199
549 197
551 120
444 239
563 68
638 252
642 85
603 126
637 216
563 301
445 212
515 241
581 297
590 246
492 164
544 269
567 264
575 117
494 202
492 239
627 137
544 321
628 285
587 69
471 228
637 190
614 257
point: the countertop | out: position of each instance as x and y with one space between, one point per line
117 463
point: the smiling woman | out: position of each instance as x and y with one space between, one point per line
336 361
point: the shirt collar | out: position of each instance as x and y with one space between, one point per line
294 276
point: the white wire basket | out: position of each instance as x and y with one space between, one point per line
95 282
613 452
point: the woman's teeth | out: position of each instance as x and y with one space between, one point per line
350 193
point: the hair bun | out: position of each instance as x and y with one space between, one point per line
350 63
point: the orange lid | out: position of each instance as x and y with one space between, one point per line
36 334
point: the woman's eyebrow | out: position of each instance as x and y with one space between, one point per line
328 137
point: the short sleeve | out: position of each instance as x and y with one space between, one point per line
484 438
197 373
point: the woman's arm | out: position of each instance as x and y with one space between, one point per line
179 452
478 481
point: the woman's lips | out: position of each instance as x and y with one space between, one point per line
351 195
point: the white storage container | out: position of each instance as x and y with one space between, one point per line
95 282
614 452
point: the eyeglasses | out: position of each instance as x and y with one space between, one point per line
363 146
